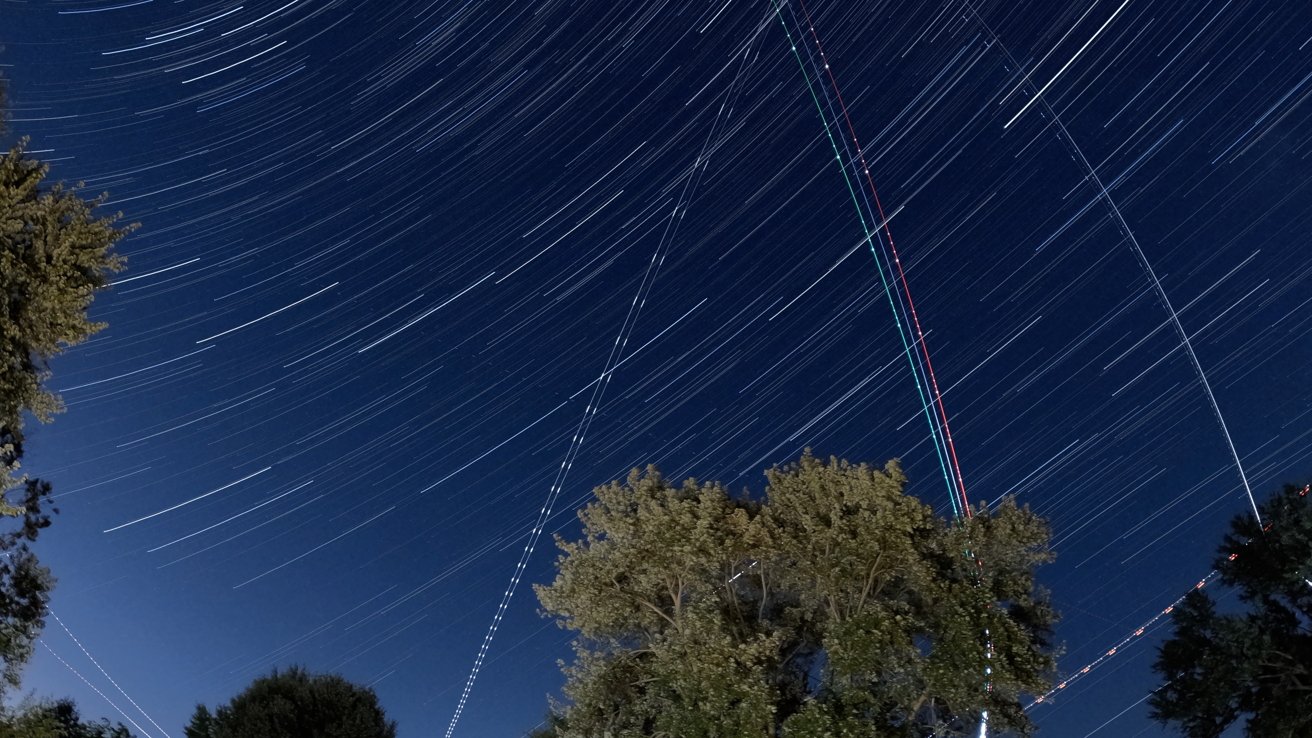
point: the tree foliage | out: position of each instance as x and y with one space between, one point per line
296 704
1256 663
54 256
25 583
55 719
835 606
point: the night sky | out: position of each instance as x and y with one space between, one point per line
388 249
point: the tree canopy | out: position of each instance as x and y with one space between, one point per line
54 256
296 704
1255 663
55 719
836 605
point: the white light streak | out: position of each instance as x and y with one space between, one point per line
1044 89
338 537
268 315
188 502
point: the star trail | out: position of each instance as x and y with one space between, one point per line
412 278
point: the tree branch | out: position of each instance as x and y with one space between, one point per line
870 581
656 610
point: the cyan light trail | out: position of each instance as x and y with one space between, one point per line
956 493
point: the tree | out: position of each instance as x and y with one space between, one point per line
550 727
1256 663
54 256
296 704
836 606
25 583
201 725
58 719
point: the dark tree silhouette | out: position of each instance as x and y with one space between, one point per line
1257 663
296 704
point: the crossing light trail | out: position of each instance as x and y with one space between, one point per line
675 219
1139 632
94 688
473 136
922 371
87 653
1039 95
928 370
903 318
1091 175
1120 645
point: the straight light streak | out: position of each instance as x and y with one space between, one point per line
188 502
134 371
427 313
269 315
234 64
1043 89
228 520
196 420
107 676
157 271
338 537
78 674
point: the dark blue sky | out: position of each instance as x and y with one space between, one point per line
386 249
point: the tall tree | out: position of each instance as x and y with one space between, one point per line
837 605
1254 664
54 256
296 704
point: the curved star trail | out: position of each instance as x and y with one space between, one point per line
387 248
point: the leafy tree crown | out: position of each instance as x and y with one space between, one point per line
835 605
296 704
